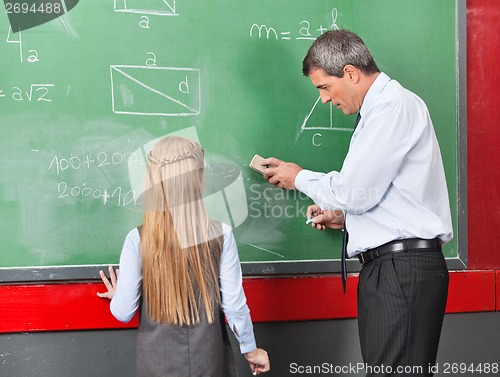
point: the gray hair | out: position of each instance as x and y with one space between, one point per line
335 49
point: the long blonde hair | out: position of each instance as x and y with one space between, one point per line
180 245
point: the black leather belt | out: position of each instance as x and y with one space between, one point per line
398 246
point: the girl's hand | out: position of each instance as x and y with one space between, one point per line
110 285
258 361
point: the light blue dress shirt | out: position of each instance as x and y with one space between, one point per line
392 183
129 287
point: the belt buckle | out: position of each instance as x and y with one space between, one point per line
362 257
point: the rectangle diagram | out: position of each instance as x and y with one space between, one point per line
160 91
153 7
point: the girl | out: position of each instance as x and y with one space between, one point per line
183 270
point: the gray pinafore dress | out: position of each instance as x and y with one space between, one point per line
201 350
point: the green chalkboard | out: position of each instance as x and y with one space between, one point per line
83 96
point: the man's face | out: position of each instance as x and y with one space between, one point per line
339 91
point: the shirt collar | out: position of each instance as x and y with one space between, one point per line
375 89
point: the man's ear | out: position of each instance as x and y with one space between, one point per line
351 73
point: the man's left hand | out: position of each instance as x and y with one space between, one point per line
280 173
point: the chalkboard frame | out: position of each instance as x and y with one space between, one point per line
91 272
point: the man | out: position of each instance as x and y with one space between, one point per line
391 196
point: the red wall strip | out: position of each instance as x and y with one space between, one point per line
483 136
75 306
301 298
54 307
497 282
471 291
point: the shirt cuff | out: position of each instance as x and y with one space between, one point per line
244 333
246 347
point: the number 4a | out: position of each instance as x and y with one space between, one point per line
32 58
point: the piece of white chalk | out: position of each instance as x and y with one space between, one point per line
309 221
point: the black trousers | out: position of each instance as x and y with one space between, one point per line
401 303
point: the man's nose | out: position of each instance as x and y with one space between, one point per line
325 98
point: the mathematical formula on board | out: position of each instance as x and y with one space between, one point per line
80 176
305 30
77 176
32 93
88 161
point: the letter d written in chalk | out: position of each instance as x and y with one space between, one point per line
184 86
